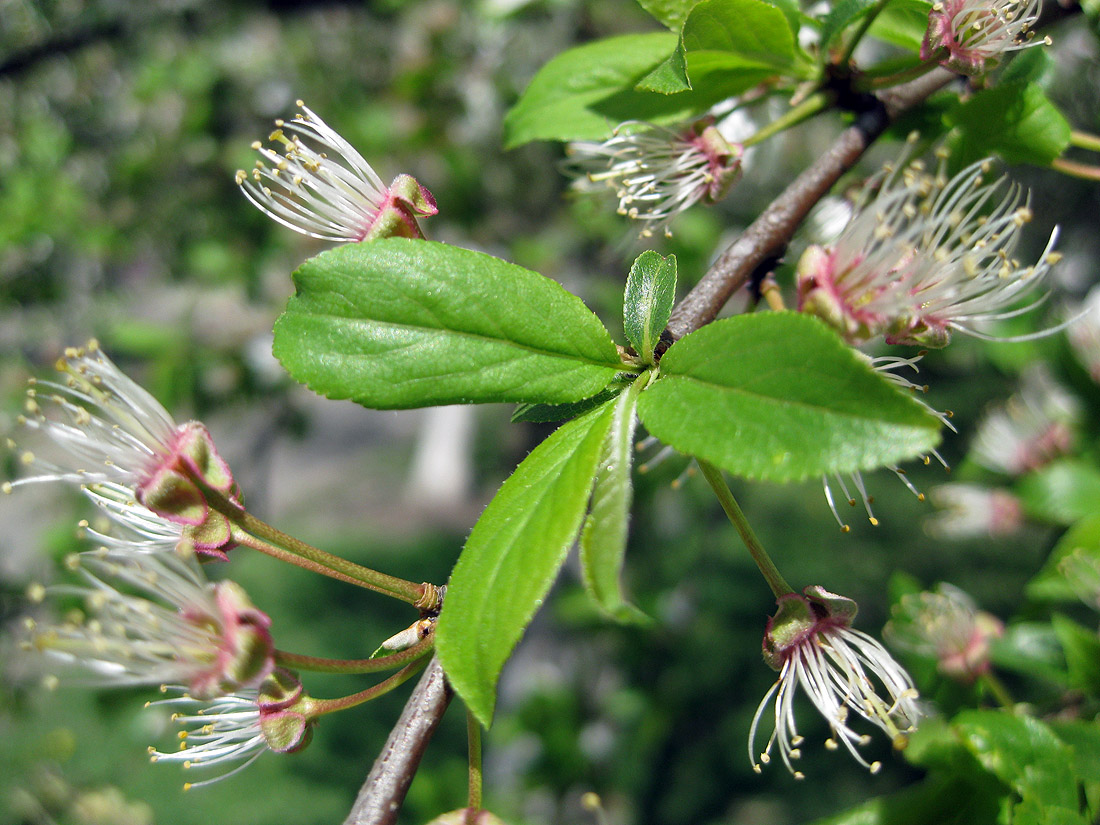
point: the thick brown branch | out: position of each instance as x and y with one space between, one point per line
771 232
387 783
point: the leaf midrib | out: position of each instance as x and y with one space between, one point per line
618 366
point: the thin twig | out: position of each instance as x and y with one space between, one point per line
769 233
387 783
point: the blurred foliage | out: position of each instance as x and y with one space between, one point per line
123 126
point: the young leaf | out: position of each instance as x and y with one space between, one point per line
557 103
513 556
840 16
1082 650
670 77
603 539
1063 492
738 33
647 304
778 396
585 92
1016 121
1023 753
670 13
903 23
401 323
1051 583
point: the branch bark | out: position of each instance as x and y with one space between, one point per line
769 234
387 783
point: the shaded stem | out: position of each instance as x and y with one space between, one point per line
317 707
1076 170
387 783
817 102
1084 140
897 78
857 36
321 562
473 733
319 664
759 555
999 691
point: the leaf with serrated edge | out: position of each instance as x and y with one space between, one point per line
400 323
647 303
513 556
603 539
778 396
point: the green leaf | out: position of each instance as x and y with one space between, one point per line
737 34
558 103
942 799
1016 121
1063 492
513 556
1082 650
401 323
585 92
1028 66
779 396
840 16
1083 737
647 304
603 539
670 13
1030 648
1033 811
1051 583
903 23
546 413
1023 753
670 76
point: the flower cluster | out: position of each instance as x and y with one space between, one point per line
923 257
321 186
149 614
811 642
945 625
657 173
972 36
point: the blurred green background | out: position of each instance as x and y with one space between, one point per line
121 125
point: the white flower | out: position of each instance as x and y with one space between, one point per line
811 643
1035 426
924 256
970 511
224 730
657 173
322 187
971 36
153 618
101 430
278 716
947 626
